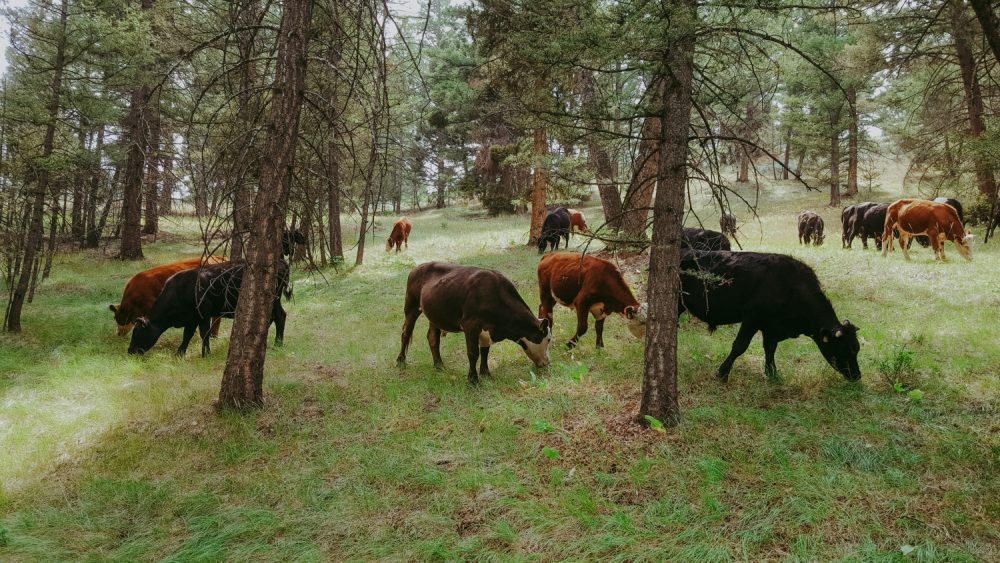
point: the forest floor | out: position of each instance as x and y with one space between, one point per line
109 457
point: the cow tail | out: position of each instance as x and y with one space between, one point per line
288 292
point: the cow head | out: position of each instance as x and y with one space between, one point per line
840 346
819 239
637 319
124 326
964 246
536 346
144 336
388 244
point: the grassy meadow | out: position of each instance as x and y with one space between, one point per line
106 457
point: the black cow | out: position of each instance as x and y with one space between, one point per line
190 299
289 240
556 225
482 304
774 294
810 228
704 239
851 219
872 224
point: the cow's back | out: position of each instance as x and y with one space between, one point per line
143 288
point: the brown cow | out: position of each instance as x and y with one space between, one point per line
482 304
589 285
400 234
577 222
143 288
938 221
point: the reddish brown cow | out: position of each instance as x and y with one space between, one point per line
143 288
938 221
577 222
400 235
589 285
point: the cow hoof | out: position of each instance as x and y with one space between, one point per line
439 365
400 363
570 345
723 377
473 380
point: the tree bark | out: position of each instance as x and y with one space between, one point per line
539 181
597 154
93 232
640 190
169 181
659 384
788 155
852 142
973 96
333 200
243 14
835 158
990 23
79 179
33 243
243 378
439 182
152 181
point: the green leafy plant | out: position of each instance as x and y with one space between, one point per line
897 369
655 423
550 453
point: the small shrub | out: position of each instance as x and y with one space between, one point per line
897 369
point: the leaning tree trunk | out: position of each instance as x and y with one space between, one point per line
539 181
33 242
640 190
990 24
973 97
243 379
852 142
659 383
597 154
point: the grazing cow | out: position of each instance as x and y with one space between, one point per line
774 294
810 228
852 221
992 223
483 304
192 297
939 221
289 240
400 235
704 239
556 225
143 288
589 285
577 222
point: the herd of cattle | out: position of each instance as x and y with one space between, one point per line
774 294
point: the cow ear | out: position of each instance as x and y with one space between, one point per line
113 309
849 327
141 322
630 312
544 326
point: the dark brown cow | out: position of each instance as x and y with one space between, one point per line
577 222
588 285
938 221
810 228
400 234
482 304
143 288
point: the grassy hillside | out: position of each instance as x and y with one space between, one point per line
107 457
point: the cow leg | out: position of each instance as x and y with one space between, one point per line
472 349
434 340
204 331
412 312
188 333
484 366
582 310
743 338
215 326
599 330
904 240
278 316
770 346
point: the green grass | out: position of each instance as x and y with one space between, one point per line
106 457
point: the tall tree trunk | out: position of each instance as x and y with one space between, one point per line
93 233
659 383
243 379
539 180
640 190
743 176
835 158
597 154
852 142
50 249
79 179
152 181
243 14
990 24
440 181
33 243
788 154
333 200
973 96
167 163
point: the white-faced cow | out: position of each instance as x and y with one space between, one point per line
482 304
773 294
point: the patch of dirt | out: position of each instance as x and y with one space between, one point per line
331 374
309 410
